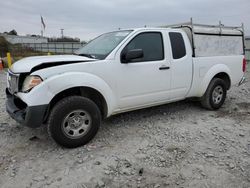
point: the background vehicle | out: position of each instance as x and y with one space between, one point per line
123 71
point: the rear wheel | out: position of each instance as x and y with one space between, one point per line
215 94
74 121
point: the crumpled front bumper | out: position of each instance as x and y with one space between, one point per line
30 116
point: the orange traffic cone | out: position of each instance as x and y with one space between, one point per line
1 64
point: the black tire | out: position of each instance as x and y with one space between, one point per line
61 112
207 100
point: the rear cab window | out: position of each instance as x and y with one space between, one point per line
177 45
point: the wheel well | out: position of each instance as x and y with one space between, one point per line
87 92
224 76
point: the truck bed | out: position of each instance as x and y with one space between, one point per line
232 65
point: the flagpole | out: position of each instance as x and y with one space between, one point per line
41 26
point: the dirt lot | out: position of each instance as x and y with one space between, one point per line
175 145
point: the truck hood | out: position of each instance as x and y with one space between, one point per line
29 63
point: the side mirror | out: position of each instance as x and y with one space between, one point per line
131 54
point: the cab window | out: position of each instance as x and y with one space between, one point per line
151 43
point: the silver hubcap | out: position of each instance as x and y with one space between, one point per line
76 124
217 94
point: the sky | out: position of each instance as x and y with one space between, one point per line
87 19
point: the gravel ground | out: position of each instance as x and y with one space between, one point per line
174 145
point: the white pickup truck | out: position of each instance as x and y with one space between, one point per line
122 71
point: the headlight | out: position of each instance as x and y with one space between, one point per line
30 82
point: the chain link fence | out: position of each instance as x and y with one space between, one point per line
31 49
54 47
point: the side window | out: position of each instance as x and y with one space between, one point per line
177 44
151 43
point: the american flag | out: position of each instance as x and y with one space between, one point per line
43 23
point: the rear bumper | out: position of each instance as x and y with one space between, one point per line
30 116
243 80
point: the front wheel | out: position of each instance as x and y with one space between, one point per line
215 94
74 121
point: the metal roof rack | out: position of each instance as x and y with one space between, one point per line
220 25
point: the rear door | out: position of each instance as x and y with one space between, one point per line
181 65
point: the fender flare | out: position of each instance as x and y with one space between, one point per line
216 69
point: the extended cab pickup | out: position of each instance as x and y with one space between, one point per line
122 71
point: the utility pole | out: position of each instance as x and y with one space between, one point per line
62 32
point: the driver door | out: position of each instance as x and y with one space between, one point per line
144 81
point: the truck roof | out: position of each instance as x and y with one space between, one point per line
149 29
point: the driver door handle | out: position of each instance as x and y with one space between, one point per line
164 68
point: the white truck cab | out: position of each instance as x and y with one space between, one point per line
122 71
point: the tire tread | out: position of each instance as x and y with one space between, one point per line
61 104
205 99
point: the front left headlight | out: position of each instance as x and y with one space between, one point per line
30 82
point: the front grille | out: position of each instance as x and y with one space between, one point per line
12 80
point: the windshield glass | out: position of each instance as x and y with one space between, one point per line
100 47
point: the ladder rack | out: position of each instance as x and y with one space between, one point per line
192 25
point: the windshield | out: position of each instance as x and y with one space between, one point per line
100 47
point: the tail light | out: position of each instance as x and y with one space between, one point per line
244 65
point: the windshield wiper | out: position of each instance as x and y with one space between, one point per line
87 55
